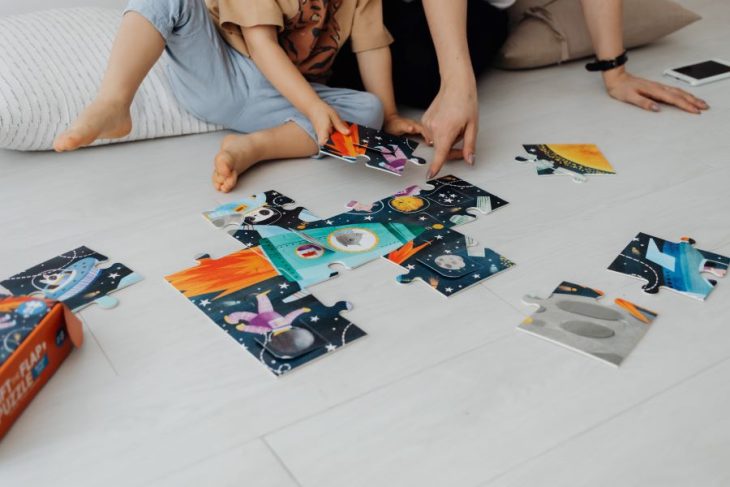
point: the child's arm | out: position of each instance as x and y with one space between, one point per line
270 58
376 71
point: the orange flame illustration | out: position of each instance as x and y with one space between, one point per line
635 311
225 275
406 252
12 302
346 145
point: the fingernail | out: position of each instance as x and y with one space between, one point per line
655 107
471 158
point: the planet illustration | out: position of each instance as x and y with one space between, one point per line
407 204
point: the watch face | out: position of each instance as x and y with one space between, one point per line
703 70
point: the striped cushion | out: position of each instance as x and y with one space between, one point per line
51 64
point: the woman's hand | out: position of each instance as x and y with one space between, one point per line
646 94
397 125
324 119
453 116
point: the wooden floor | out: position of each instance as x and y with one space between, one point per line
441 392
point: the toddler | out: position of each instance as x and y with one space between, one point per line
253 66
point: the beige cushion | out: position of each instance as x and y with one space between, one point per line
555 31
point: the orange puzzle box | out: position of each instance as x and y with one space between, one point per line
36 336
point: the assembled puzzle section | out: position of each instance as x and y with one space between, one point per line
447 261
282 325
571 317
75 278
379 150
677 266
574 160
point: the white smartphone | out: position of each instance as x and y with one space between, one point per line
701 73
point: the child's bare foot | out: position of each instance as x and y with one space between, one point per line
100 120
237 154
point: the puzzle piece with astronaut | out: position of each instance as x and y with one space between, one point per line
379 150
278 322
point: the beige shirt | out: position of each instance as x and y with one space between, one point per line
310 31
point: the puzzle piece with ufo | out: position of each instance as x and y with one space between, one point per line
278 322
574 160
573 318
379 150
75 278
677 266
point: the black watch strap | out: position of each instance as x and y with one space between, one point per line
607 64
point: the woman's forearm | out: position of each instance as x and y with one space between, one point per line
447 23
605 24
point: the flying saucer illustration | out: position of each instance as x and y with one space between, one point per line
63 284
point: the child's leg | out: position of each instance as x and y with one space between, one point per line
202 73
239 152
137 47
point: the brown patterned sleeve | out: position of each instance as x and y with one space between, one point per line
368 30
249 13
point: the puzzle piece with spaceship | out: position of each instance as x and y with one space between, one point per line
379 150
278 322
305 252
448 261
573 318
75 278
677 266
574 160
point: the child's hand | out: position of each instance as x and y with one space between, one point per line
324 119
397 125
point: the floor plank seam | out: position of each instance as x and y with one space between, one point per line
281 462
607 420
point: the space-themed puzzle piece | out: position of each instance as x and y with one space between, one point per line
281 324
75 278
573 318
677 266
19 315
269 208
379 150
448 261
574 160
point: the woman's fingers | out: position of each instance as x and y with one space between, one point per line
635 98
661 93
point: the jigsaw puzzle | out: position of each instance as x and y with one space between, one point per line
75 278
380 150
571 317
448 261
677 266
275 320
575 160
18 317
302 248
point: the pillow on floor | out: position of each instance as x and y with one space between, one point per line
51 64
556 31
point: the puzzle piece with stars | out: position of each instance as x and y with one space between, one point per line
379 150
573 318
677 266
448 261
278 322
75 278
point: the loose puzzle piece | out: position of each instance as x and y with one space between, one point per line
448 261
74 278
18 318
678 266
571 317
575 160
380 150
277 321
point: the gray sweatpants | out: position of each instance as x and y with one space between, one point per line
218 84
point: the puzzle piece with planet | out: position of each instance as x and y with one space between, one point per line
575 160
572 317
278 322
677 266
75 278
